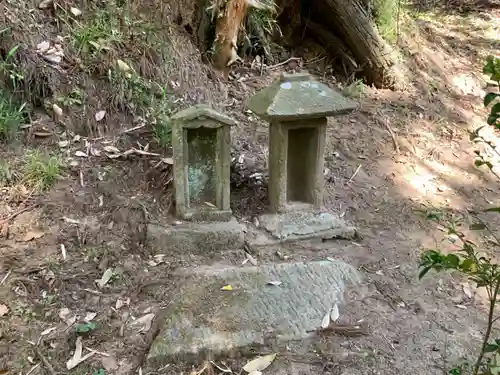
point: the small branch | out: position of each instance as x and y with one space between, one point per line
284 62
45 362
355 173
17 213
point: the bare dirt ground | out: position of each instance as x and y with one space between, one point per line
400 152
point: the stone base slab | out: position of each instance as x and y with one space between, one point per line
197 237
294 226
206 319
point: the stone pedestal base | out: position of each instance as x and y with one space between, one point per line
293 226
197 237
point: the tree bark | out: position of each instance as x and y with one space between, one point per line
371 52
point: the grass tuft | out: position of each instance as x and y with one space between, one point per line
386 14
12 116
40 171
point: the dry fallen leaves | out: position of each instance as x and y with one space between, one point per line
144 321
259 363
89 316
335 314
66 316
77 356
75 11
325 322
120 302
3 310
106 276
100 115
32 235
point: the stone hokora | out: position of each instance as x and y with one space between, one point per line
227 27
297 108
201 142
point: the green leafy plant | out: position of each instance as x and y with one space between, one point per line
469 260
86 327
10 69
40 172
12 116
492 68
480 270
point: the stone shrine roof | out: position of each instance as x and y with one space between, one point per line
201 112
297 96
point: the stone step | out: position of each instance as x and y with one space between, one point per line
206 319
197 237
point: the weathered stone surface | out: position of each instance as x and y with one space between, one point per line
201 142
298 225
297 96
197 237
208 319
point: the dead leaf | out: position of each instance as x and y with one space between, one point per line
89 316
325 322
275 282
77 356
63 251
259 363
4 230
47 331
65 315
63 144
169 161
334 314
3 309
75 11
43 47
210 205
57 110
100 115
120 302
32 235
111 149
122 66
220 368
255 373
145 321
106 276
81 154
45 4
251 259
467 290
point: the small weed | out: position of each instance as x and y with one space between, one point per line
41 172
86 327
354 90
386 14
9 68
7 176
75 97
11 116
92 254
99 35
23 310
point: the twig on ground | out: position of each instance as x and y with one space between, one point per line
44 360
5 277
350 330
391 132
355 173
133 129
17 213
284 62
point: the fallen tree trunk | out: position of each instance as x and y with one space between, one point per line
333 45
360 35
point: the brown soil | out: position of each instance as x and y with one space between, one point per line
400 152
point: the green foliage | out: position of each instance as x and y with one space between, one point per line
9 68
469 260
12 116
86 327
41 172
385 13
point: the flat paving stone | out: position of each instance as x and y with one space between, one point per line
208 319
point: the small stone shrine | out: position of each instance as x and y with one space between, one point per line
297 108
201 142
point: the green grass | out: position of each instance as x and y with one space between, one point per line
6 174
40 171
12 116
386 18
